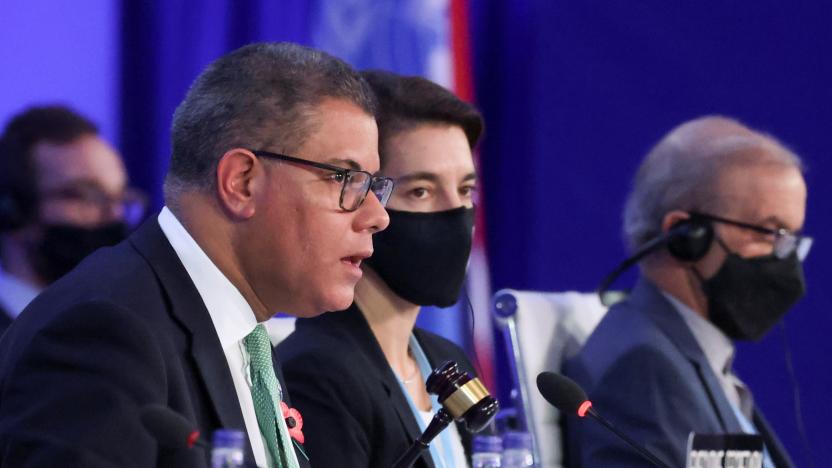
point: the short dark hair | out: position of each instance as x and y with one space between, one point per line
55 124
405 102
258 96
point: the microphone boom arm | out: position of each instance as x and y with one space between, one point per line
644 453
440 421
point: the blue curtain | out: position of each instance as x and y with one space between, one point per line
165 45
575 93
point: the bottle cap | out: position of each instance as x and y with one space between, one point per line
230 438
487 443
517 440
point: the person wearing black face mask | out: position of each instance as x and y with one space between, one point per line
747 296
62 195
721 207
359 375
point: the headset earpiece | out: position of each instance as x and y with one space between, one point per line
690 239
687 240
16 209
10 216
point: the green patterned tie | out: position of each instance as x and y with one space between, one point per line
265 391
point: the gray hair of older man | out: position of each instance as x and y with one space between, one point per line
682 170
260 96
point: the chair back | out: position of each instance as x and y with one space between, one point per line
541 330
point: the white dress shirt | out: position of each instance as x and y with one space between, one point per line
231 315
15 294
718 349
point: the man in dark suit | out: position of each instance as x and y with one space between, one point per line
63 194
269 208
714 213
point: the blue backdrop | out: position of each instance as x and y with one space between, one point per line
574 94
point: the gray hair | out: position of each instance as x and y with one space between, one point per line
681 171
258 96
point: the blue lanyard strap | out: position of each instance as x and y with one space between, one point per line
749 428
446 457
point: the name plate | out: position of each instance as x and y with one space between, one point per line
725 451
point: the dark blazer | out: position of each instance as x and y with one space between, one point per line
5 320
125 329
354 412
644 371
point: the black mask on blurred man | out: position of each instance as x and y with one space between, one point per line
748 296
61 247
423 257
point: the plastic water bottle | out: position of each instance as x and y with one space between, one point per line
517 450
487 450
227 449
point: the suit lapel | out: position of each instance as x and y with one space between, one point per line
724 412
5 319
647 298
188 309
300 451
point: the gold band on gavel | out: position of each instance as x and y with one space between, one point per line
465 397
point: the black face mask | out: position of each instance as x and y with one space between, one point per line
748 296
423 256
62 247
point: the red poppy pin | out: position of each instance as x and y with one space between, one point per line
293 421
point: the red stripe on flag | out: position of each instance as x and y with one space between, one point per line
479 288
461 50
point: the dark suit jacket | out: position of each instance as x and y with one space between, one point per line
5 320
127 328
644 371
354 412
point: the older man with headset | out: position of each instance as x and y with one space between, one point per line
714 216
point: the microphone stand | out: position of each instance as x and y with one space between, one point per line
439 422
644 453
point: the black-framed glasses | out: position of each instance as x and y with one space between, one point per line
92 201
355 184
785 241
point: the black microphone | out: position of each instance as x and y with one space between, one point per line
171 429
463 398
174 431
567 396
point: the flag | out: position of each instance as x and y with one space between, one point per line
429 38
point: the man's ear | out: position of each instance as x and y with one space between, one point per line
237 177
672 218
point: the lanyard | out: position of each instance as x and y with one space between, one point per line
446 457
749 428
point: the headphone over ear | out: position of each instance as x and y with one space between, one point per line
10 216
687 240
18 195
690 239
15 211
18 199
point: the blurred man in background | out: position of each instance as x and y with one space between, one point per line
716 213
63 194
